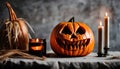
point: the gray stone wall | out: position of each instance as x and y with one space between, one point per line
43 15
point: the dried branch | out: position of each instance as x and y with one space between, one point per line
7 54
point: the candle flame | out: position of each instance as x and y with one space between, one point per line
106 14
37 40
100 23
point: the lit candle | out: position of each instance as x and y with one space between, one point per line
100 39
106 31
37 47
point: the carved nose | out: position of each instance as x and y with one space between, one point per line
73 36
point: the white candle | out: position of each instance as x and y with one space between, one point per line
100 38
106 31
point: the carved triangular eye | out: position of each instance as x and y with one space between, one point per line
80 30
66 30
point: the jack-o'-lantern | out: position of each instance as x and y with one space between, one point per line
72 39
13 32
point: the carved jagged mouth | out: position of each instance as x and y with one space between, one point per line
73 45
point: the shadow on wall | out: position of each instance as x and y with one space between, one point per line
44 15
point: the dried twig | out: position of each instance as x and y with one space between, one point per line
7 54
28 56
115 57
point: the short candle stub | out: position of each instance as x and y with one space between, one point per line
37 47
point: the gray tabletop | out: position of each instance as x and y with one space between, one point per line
90 61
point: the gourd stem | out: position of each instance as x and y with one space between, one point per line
71 20
11 12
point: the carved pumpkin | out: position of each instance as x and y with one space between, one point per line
72 39
14 32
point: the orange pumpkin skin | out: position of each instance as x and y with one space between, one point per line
72 39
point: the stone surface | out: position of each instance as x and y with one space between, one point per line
43 15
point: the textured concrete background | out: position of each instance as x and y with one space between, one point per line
43 15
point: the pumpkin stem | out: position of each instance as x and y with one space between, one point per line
71 20
11 12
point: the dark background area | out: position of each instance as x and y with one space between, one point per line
43 15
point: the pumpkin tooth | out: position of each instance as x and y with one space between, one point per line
71 47
68 47
81 47
65 47
78 43
75 47
74 43
78 47
60 42
81 43
66 42
63 42
84 42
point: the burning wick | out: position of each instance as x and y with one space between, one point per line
37 40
